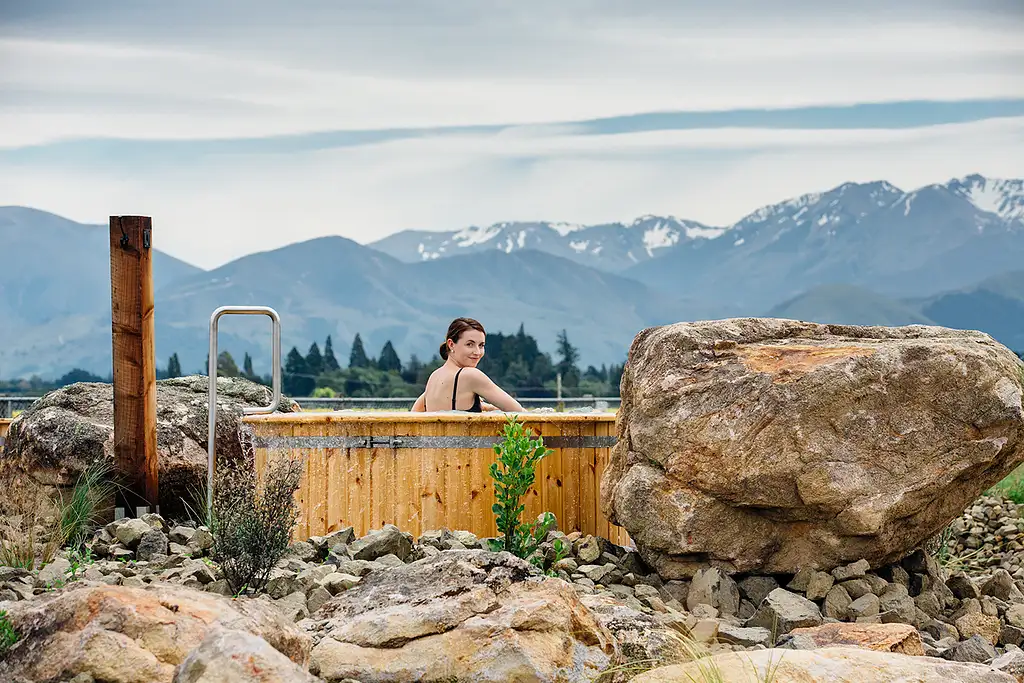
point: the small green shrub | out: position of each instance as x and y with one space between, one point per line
252 521
8 636
513 475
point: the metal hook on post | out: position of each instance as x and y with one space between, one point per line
247 410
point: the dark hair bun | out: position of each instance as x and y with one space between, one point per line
444 350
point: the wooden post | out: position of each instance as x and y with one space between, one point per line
131 305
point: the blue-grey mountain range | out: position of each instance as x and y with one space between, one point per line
861 253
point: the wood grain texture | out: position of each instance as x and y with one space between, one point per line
134 359
419 489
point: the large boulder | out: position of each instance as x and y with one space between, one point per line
66 430
459 615
118 634
767 445
832 664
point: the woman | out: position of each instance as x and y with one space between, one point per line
458 384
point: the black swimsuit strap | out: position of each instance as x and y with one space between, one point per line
455 389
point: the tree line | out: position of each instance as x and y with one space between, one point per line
514 361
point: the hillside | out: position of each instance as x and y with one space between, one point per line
870 235
868 253
55 290
326 286
848 305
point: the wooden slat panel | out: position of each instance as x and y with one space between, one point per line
481 486
588 488
570 470
337 493
432 481
422 488
318 492
357 490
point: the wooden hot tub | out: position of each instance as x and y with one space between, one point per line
5 425
422 471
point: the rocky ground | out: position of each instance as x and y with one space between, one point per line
963 602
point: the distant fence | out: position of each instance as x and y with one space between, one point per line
10 404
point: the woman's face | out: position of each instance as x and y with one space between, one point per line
468 351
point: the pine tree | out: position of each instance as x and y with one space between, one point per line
314 361
357 358
330 362
226 366
389 360
568 356
247 368
297 381
174 366
411 370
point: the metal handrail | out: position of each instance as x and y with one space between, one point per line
247 410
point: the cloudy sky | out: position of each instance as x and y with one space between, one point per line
256 124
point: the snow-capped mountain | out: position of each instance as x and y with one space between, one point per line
611 247
820 218
872 235
1005 198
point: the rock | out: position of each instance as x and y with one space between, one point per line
801 579
385 541
864 606
856 588
181 535
588 550
67 430
230 656
979 624
132 635
640 638
962 587
836 603
1015 616
1011 635
54 572
896 605
707 471
832 664
819 586
705 630
782 611
503 620
974 649
999 585
899 638
851 571
129 532
757 588
594 572
744 637
302 550
712 587
1011 662
152 543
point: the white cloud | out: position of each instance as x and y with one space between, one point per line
197 70
230 206
358 68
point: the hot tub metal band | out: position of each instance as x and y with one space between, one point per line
290 442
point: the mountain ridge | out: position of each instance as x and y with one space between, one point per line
618 247
863 249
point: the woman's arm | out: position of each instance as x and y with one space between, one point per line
420 406
482 385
